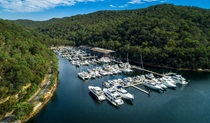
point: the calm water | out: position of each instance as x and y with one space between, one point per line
72 102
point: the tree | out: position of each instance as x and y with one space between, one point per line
23 109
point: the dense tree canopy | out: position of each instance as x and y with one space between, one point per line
24 60
166 35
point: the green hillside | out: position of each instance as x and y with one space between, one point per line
166 35
24 62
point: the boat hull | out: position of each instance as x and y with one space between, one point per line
98 97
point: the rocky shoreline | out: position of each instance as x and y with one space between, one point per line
47 99
172 68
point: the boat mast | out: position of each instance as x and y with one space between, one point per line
142 65
127 57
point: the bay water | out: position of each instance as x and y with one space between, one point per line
73 103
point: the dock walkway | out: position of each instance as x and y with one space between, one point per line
138 68
134 86
140 89
142 69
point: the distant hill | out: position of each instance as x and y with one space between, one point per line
166 35
24 62
29 23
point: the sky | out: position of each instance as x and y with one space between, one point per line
46 9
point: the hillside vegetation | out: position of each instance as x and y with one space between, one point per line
166 35
24 62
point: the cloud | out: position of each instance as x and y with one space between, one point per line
149 0
112 6
135 2
37 5
123 6
163 1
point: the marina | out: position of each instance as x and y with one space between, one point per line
73 100
97 67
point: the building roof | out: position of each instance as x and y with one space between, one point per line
101 50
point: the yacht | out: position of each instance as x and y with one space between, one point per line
84 75
107 84
91 73
179 79
73 62
113 97
97 74
150 76
86 63
93 76
120 81
127 70
126 67
167 82
97 92
103 72
124 93
152 85
78 64
127 81
159 83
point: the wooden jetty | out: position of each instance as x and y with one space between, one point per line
168 74
159 74
142 69
140 89
134 86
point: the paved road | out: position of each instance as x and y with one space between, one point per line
9 119
36 99
43 90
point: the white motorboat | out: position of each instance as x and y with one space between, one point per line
127 70
152 85
73 62
97 92
93 76
126 67
114 82
150 76
103 72
91 73
97 74
179 79
113 97
78 64
86 63
107 84
125 94
167 82
159 83
127 81
84 75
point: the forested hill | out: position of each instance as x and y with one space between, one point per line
24 61
166 35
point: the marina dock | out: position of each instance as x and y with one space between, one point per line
140 89
74 55
134 86
142 69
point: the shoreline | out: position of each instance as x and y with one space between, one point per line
171 68
47 99
179 69
52 91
